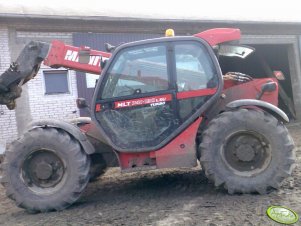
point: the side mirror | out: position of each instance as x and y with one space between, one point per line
109 48
267 87
81 103
84 56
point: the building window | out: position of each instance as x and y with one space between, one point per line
56 82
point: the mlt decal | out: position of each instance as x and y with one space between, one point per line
153 101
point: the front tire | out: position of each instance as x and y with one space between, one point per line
247 151
46 169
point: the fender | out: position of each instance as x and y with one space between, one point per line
69 128
272 109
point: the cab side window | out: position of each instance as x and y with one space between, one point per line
194 69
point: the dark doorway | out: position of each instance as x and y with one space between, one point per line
266 59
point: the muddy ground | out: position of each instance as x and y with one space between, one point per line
170 197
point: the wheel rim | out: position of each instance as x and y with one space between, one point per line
43 170
246 153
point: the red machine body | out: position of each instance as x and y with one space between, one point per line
180 152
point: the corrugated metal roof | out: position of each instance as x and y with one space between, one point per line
230 10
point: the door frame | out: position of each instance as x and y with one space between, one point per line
189 121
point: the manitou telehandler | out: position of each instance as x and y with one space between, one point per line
158 103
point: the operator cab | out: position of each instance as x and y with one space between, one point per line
151 90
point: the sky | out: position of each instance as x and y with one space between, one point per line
255 10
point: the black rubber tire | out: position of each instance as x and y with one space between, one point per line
214 137
75 174
98 166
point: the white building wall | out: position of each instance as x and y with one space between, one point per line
43 106
58 106
8 129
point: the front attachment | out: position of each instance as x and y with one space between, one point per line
21 71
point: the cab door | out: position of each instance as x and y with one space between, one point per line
152 90
137 98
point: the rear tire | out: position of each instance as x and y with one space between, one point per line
46 169
247 151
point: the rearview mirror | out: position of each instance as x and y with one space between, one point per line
240 51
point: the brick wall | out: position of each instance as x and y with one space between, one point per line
8 129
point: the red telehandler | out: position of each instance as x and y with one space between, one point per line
158 103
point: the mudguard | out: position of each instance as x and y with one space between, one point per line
69 128
270 108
